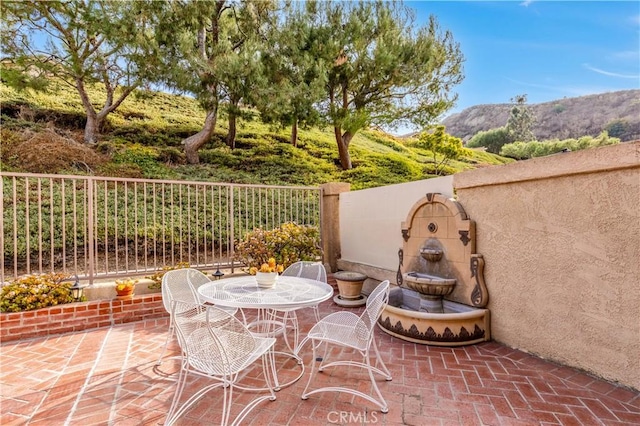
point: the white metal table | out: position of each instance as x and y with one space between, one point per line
288 293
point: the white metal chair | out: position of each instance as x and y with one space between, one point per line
349 330
217 346
182 284
302 269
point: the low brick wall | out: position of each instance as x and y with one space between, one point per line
79 316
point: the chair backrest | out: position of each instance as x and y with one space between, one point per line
213 340
305 269
197 279
376 303
176 286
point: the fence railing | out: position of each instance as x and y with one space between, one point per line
98 227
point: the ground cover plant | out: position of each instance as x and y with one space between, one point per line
142 139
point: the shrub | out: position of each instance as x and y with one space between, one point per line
525 150
493 140
287 244
35 292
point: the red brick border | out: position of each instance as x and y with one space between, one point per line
79 316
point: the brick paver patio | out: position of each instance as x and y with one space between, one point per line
108 376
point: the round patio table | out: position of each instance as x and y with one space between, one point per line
288 293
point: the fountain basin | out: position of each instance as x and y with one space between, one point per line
459 325
429 285
431 254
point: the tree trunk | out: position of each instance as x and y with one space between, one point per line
294 133
343 147
231 136
91 129
193 143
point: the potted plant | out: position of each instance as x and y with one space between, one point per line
267 273
125 287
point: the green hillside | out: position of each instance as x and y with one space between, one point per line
42 132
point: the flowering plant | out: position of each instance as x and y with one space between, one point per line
283 246
35 292
125 284
270 266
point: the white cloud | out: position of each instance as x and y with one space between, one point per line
625 55
526 3
564 90
608 73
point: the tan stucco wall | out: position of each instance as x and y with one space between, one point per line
560 236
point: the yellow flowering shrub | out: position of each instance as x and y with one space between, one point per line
285 245
35 292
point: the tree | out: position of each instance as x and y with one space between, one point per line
521 120
384 70
93 42
438 142
295 70
196 40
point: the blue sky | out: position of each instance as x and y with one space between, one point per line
546 49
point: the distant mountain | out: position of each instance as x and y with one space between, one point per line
617 112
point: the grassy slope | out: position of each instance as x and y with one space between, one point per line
144 135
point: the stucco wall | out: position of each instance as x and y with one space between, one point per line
370 220
560 236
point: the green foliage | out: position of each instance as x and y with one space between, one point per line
145 159
35 292
525 150
558 108
81 43
165 119
383 68
440 144
287 244
493 140
617 128
521 120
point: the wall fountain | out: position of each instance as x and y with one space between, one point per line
441 297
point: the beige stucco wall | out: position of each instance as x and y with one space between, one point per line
560 236
370 220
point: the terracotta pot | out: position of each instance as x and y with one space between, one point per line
349 284
127 293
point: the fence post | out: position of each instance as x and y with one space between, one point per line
232 235
91 231
330 222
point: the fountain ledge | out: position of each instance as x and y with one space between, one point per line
459 325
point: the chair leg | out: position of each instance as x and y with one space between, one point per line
314 346
377 400
381 401
182 380
166 343
291 316
384 369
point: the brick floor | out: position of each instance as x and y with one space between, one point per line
108 376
